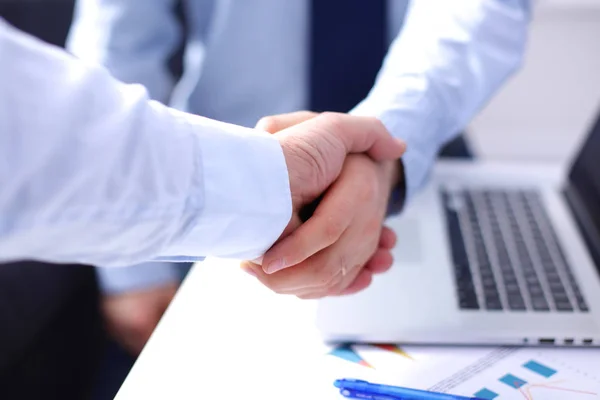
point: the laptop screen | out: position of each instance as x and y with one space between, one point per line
585 179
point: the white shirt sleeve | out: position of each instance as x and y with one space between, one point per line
93 172
446 63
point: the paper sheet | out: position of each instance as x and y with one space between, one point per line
490 373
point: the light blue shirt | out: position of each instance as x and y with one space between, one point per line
247 59
93 172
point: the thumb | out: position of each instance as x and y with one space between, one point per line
276 123
294 224
365 135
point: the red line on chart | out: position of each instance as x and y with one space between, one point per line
529 396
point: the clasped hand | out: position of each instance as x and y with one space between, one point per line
353 161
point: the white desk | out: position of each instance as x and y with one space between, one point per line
227 337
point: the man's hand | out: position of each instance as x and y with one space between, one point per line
131 317
356 205
315 151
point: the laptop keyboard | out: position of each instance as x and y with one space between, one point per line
506 254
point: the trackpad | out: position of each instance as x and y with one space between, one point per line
409 247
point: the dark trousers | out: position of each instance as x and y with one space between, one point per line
51 336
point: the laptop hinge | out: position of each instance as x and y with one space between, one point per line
585 223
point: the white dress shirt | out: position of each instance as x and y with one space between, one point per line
92 172
249 58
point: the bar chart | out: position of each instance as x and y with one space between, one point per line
528 375
516 382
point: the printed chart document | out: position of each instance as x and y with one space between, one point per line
488 373
227 337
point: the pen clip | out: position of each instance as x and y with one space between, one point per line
353 394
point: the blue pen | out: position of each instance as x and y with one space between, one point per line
355 389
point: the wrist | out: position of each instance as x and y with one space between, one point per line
292 170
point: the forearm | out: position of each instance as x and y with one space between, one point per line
92 172
450 58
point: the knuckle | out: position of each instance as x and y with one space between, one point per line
269 123
334 120
327 276
335 291
305 114
330 115
301 247
373 229
377 125
333 230
336 276
369 190
337 288
377 122
342 262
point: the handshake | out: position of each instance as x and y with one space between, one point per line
351 164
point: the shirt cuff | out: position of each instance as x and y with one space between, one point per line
246 202
410 118
116 280
398 193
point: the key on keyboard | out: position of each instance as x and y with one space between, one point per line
467 297
518 262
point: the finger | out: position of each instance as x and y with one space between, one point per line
328 272
362 281
388 238
346 280
250 268
381 261
290 281
320 292
364 135
276 123
312 295
327 224
293 225
316 273
258 260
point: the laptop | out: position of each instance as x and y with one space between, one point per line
488 254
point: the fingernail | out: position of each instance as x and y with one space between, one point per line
250 271
275 266
402 144
258 260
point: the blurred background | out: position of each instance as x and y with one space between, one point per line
545 109
541 115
